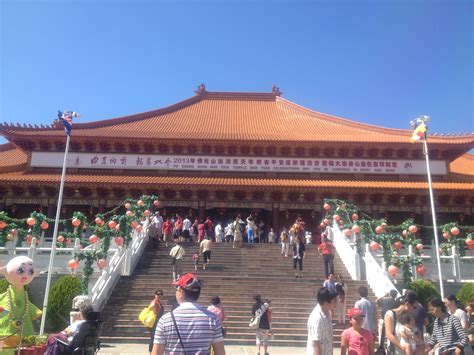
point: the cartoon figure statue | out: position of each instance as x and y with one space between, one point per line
17 319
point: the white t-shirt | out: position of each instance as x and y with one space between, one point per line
158 221
462 316
187 224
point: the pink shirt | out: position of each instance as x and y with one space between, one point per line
357 344
218 311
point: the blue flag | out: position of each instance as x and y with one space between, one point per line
66 119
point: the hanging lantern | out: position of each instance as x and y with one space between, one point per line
374 245
3 224
156 203
99 221
404 233
327 206
101 263
31 221
73 264
146 213
322 225
397 245
393 270
76 222
419 246
129 213
356 229
469 242
421 270
60 239
134 224
446 235
117 227
93 239
355 217
336 217
413 229
112 224
140 203
347 232
128 205
455 231
138 228
379 229
326 221
119 241
44 225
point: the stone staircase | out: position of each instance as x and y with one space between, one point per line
236 275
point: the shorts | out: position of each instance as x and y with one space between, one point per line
176 233
262 336
207 256
186 234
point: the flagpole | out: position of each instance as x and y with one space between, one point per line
55 235
433 213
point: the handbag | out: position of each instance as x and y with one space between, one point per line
254 322
147 317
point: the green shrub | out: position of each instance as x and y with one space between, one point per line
4 285
60 300
425 290
466 293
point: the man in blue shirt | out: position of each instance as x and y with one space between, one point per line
368 307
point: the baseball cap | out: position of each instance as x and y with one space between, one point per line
353 312
188 282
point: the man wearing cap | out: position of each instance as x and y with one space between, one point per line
190 328
320 334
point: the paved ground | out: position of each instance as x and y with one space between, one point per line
125 349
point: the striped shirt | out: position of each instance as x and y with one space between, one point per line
198 328
448 333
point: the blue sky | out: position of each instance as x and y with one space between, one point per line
381 62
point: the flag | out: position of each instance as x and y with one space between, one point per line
419 130
66 119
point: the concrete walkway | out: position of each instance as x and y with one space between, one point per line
125 349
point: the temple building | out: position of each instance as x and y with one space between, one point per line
227 153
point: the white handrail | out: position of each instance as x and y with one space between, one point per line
347 253
377 277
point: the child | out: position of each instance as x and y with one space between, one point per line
196 260
407 331
357 340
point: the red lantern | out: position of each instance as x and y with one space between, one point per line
327 206
419 246
112 224
76 222
469 242
127 205
356 229
31 221
393 270
374 245
93 239
446 235
379 229
140 203
404 233
101 263
146 213
138 229
119 241
397 245
117 227
156 203
347 232
322 225
99 221
355 217
421 270
44 225
326 221
73 264
413 229
129 213
60 239
455 231
134 224
3 224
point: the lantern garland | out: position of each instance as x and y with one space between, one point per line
105 227
391 238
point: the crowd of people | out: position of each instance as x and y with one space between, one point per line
398 325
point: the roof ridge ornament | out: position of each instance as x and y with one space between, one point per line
201 89
276 91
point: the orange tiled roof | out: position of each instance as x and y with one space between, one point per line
11 156
463 165
236 117
198 182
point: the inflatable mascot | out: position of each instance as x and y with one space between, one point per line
16 320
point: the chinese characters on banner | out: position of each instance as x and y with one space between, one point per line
235 163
